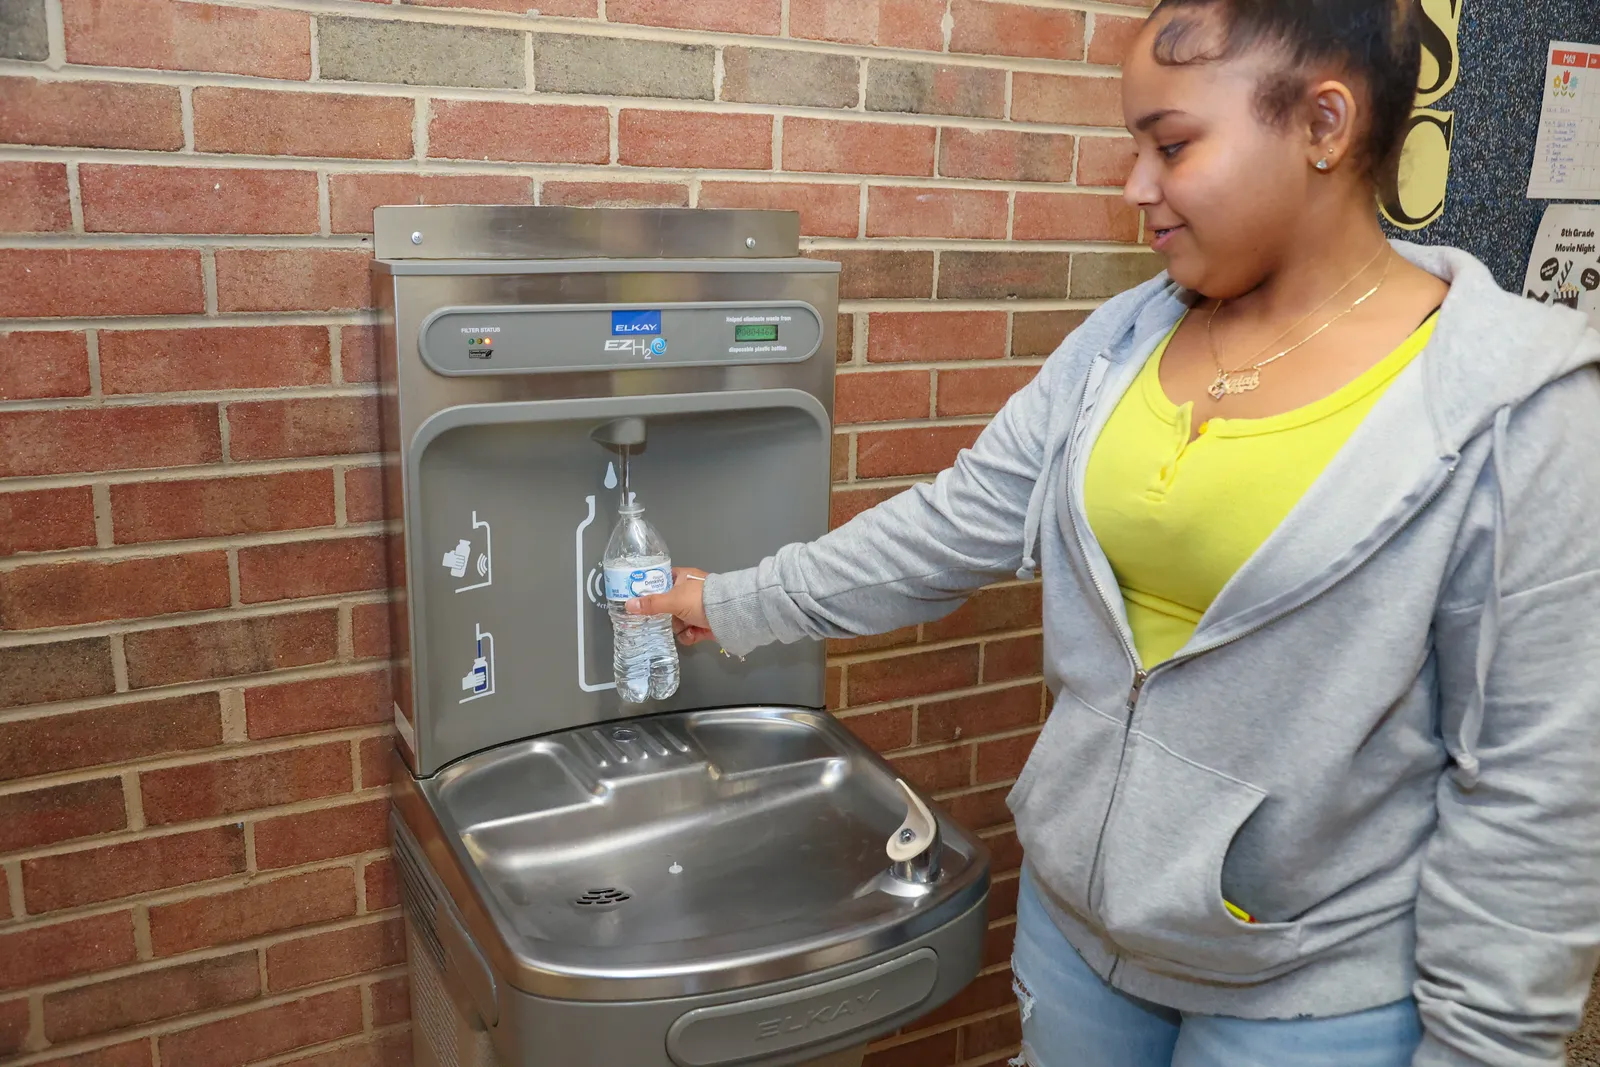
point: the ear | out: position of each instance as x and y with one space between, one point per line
1332 127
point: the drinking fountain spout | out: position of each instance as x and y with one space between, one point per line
620 434
914 849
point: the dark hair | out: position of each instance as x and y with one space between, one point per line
1379 42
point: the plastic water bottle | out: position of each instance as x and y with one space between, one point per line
637 564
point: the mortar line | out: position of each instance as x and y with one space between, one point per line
119 663
208 278
55 30
186 117
91 344
233 578
74 197
324 207
104 531
133 800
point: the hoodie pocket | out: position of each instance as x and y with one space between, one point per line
1061 799
1160 894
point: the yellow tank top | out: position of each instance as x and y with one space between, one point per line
1178 519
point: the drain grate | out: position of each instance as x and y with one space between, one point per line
601 899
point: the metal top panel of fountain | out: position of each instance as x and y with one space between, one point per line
509 336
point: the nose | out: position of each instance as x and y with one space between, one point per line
1142 190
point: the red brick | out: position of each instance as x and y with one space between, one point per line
318 835
694 140
43 672
1040 333
358 353
870 274
311 568
985 994
227 357
1016 30
728 16
5 897
981 390
45 283
108 735
151 995
61 813
1001 760
301 279
1005 849
46 519
999 943
128 1054
906 635
1012 607
614 194
136 199
1074 217
229 649
846 504
1005 155
320 704
932 89
321 426
375 755
898 337
981 809
391 1001
66 594
1105 160
365 498
524 133
268 1032
383 892
833 688
353 196
322 957
982 713
912 675
90 114
219 507
894 23
905 211
1067 99
1110 38
998 1034
1003 275
259 123
92 439
882 731
881 396
33 198
176 35
370 626
114 871
825 210
924 450
846 338
945 768
45 954
14 1023
1016 657
839 470
1003 897
264 907
206 790
587 9
39 364
857 147
937 1050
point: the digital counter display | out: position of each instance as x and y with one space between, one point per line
755 332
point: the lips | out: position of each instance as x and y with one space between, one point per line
1163 235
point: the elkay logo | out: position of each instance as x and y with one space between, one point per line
806 1018
635 323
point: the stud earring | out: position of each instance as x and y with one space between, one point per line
1323 164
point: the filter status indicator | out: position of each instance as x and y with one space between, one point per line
755 331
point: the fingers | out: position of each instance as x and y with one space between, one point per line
693 635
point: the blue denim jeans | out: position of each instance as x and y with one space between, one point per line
1072 1018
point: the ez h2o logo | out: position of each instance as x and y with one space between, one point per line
645 347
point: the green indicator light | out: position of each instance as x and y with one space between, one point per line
755 332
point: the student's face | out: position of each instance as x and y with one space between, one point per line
1221 190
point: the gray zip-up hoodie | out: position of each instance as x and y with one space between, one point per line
1383 738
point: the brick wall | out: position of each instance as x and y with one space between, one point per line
192 693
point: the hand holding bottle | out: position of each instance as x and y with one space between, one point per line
685 602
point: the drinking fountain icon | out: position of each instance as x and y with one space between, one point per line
479 682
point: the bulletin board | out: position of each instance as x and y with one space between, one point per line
1493 110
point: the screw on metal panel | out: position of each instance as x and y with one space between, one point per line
416 237
907 836
749 242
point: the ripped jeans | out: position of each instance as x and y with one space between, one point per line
1072 1018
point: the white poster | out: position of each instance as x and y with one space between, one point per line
1565 265
1566 159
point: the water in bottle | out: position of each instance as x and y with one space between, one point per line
637 564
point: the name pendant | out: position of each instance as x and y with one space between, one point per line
1230 383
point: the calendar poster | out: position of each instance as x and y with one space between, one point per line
1566 160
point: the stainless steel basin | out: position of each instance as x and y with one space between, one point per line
682 854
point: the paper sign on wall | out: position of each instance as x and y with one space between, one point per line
1566 159
1565 266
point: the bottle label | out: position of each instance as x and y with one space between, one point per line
625 583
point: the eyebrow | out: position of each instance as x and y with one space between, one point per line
1154 117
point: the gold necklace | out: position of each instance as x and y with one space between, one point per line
1248 379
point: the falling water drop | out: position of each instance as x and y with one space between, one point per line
611 475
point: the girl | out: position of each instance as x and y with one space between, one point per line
1315 519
